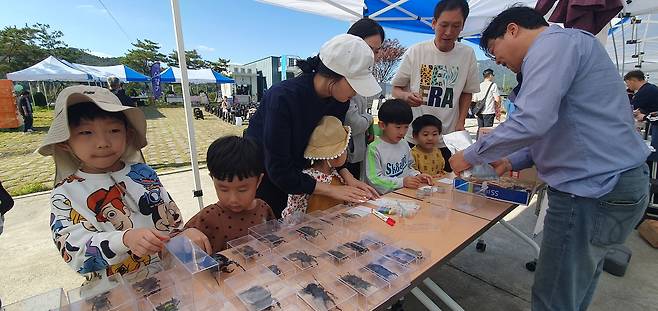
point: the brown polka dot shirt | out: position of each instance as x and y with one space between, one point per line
221 225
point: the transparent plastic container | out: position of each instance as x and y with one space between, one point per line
181 251
260 289
313 230
393 272
278 265
337 253
248 248
373 240
150 280
371 288
296 219
322 290
118 298
178 296
300 253
406 253
51 300
273 233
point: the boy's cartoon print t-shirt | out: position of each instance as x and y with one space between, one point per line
440 78
91 212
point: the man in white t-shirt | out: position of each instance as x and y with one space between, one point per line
439 76
492 102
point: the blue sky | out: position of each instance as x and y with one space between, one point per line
241 30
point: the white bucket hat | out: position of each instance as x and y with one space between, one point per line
352 58
66 163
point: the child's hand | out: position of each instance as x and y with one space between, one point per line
425 178
412 182
144 241
198 238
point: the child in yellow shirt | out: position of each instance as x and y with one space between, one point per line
427 156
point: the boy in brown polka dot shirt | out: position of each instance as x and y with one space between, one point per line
427 156
236 169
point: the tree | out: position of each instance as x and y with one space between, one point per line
192 58
143 55
389 56
18 49
221 65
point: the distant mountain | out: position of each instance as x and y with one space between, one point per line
79 56
93 60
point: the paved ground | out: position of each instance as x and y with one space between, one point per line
167 149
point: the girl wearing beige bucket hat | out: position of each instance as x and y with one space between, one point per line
290 111
327 150
109 211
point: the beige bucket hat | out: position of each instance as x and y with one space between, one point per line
328 140
66 163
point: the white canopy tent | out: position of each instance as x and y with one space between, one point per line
633 44
123 72
50 69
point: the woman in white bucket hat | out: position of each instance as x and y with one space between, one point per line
290 111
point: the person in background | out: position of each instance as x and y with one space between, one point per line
236 169
116 87
357 117
25 109
644 101
439 76
491 109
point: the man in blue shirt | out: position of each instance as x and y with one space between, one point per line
573 122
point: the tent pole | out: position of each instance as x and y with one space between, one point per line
198 193
45 94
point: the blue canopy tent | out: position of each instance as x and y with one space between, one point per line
123 72
196 76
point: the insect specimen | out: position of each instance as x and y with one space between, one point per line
320 296
170 305
414 252
248 251
274 239
382 271
224 263
310 232
275 269
357 246
338 255
356 282
305 260
100 302
402 257
148 286
259 298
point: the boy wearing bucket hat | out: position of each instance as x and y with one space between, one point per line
326 150
109 211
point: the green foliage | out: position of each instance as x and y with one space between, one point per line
28 188
221 65
39 99
192 58
143 55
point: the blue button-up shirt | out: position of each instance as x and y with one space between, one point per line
573 118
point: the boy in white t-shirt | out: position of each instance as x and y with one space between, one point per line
439 76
